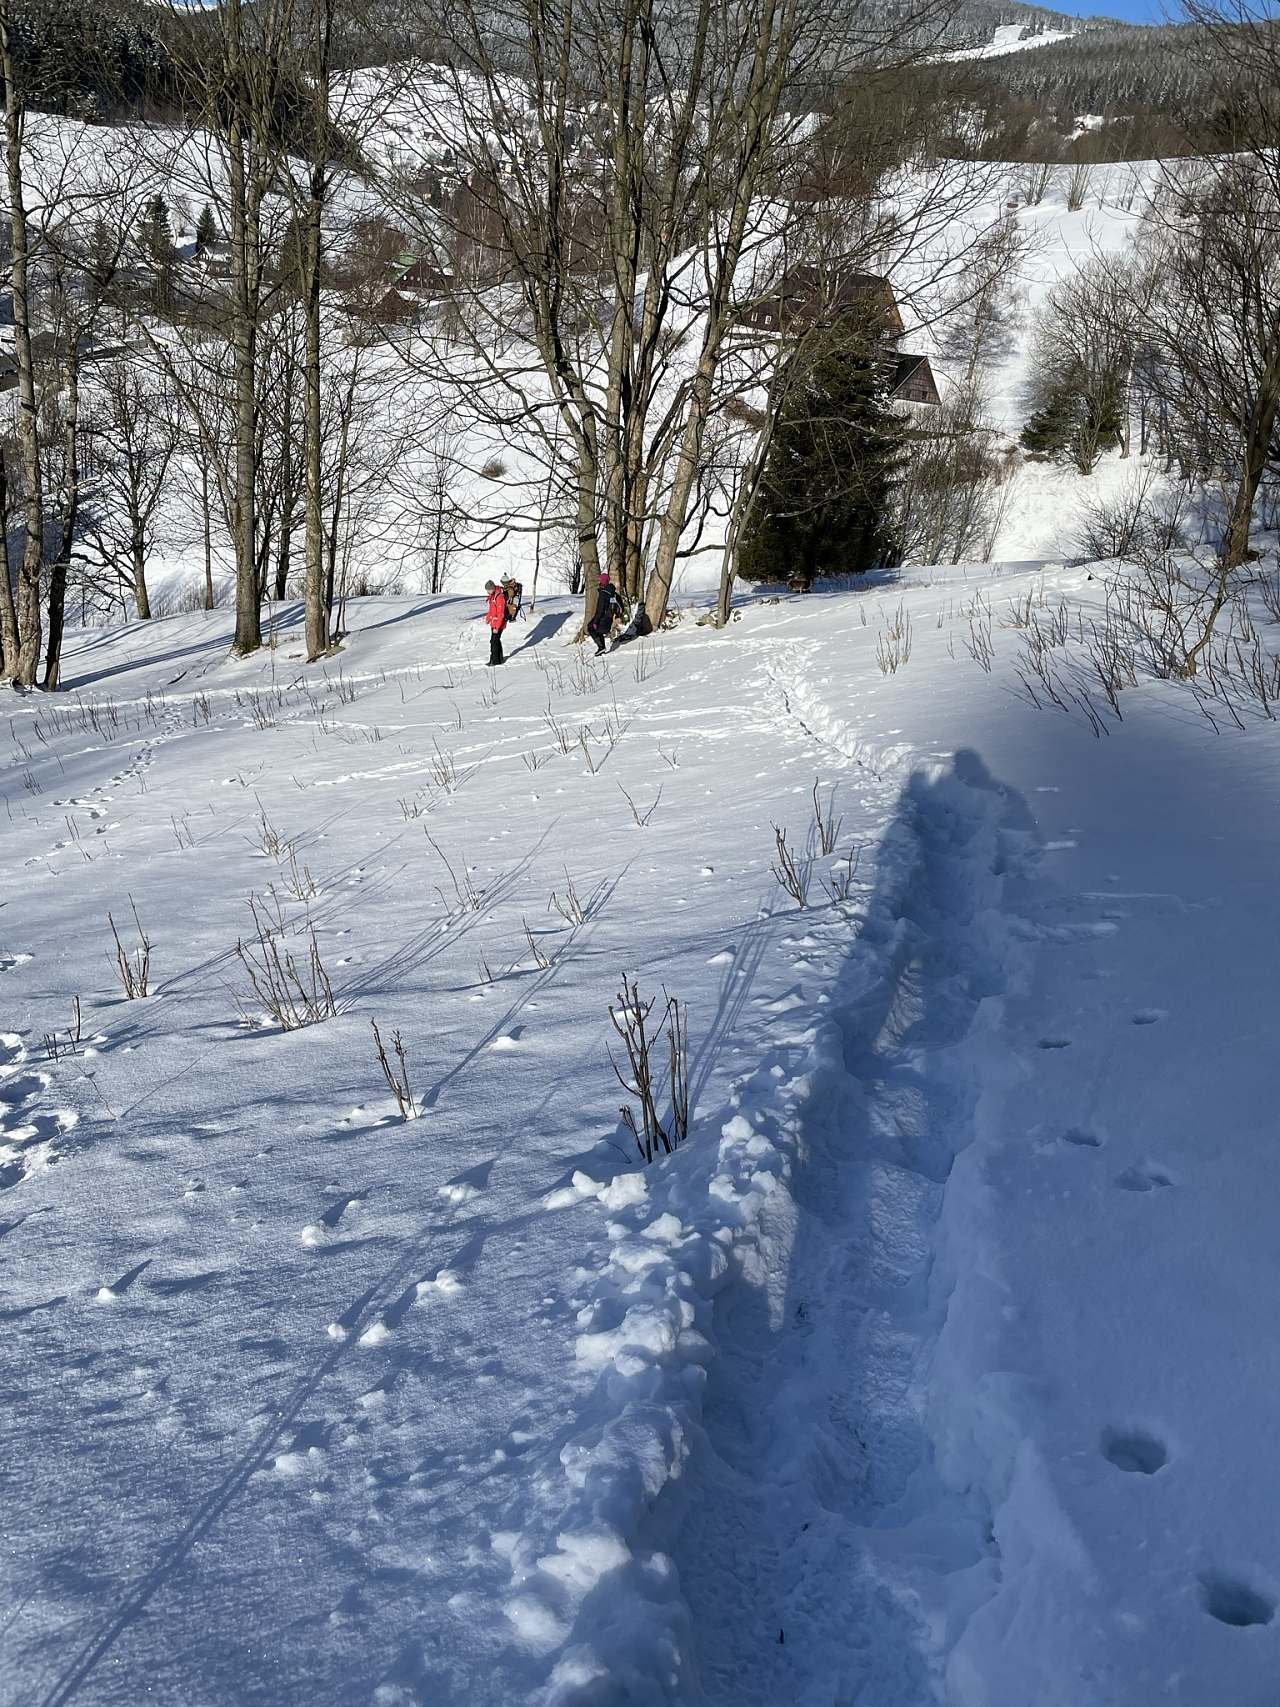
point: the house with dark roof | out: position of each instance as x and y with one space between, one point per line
912 380
807 297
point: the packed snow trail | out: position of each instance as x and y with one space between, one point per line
816 1540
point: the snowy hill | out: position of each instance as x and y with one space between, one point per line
1010 38
932 1367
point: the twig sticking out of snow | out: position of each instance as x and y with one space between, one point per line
133 966
630 1017
293 995
790 873
398 1081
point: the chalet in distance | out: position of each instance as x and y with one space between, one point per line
805 297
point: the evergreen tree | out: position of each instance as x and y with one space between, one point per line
157 232
206 229
823 506
158 244
1048 430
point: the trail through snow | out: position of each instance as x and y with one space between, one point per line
814 1499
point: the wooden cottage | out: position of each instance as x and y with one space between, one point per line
807 297
912 381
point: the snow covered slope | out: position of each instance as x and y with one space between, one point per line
936 1367
1008 38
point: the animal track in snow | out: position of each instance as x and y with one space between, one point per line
1081 1137
28 1137
1234 1602
1145 1177
1054 1043
1150 1016
1134 1450
320 1232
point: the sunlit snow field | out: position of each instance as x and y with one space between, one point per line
936 1366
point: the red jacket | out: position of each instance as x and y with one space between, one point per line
496 615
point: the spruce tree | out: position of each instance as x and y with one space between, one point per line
157 237
823 505
1048 430
206 229
157 233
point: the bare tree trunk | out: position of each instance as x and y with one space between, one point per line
8 611
1257 449
316 592
28 602
288 493
141 593
70 503
207 519
244 339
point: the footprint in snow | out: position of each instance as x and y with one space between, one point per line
1150 1016
321 1231
1232 1601
1143 1178
1134 1450
1054 1043
1082 1138
307 1449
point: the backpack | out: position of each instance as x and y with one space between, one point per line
514 594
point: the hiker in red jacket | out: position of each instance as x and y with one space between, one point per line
496 617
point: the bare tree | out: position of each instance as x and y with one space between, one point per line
1083 362
949 498
618 179
22 649
1213 323
134 430
237 75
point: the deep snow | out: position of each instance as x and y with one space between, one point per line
938 1366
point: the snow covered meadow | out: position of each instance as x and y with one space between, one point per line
937 1365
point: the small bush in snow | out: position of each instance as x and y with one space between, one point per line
630 1015
791 874
893 644
469 899
293 993
826 826
133 965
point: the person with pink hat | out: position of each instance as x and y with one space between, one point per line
606 612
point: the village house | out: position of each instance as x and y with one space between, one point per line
806 297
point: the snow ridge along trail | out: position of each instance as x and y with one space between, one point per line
812 1498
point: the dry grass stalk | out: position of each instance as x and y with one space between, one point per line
825 823
790 873
397 1077
294 995
133 965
